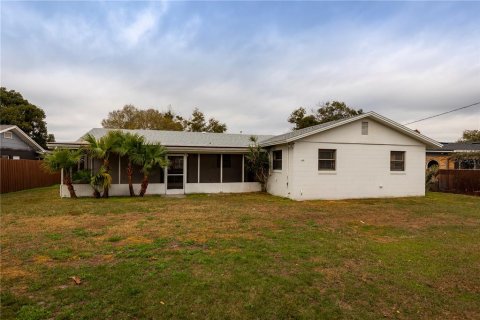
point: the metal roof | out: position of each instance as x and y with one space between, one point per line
189 139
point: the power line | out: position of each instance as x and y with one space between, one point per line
441 114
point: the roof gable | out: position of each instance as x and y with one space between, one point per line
302 133
23 136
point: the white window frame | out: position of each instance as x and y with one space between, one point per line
281 160
8 135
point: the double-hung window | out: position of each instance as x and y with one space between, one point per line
277 160
397 160
327 159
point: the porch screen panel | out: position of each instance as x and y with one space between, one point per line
249 176
156 176
192 168
209 168
232 168
113 162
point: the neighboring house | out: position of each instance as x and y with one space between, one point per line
365 156
441 157
16 144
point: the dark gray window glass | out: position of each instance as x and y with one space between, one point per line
277 160
326 159
397 160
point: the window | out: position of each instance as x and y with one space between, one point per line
8 135
397 160
326 159
16 157
364 128
277 160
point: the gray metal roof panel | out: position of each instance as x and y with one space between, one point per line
189 139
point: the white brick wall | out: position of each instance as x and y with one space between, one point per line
362 165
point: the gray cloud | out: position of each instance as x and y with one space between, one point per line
80 71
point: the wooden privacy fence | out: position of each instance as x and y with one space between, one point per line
459 181
16 175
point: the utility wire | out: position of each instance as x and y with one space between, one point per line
441 114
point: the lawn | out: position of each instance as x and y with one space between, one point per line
250 256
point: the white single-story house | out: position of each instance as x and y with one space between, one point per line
366 156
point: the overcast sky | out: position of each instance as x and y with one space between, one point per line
247 64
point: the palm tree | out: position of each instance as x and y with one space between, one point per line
130 145
101 179
102 149
63 159
151 155
258 162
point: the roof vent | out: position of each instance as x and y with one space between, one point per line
203 132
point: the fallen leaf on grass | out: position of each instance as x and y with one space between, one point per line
76 280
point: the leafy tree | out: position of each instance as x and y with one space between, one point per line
301 120
102 149
470 136
130 145
149 157
63 159
258 162
16 110
130 117
197 123
215 126
326 112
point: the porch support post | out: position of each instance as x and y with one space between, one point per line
221 168
119 169
198 168
243 168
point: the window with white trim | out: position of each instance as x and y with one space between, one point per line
277 160
8 135
327 159
397 160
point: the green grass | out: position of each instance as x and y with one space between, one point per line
250 256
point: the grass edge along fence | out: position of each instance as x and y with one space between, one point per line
16 175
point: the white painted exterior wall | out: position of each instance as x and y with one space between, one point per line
279 180
362 165
85 190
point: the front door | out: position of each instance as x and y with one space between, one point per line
175 175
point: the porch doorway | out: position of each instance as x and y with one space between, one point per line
175 175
